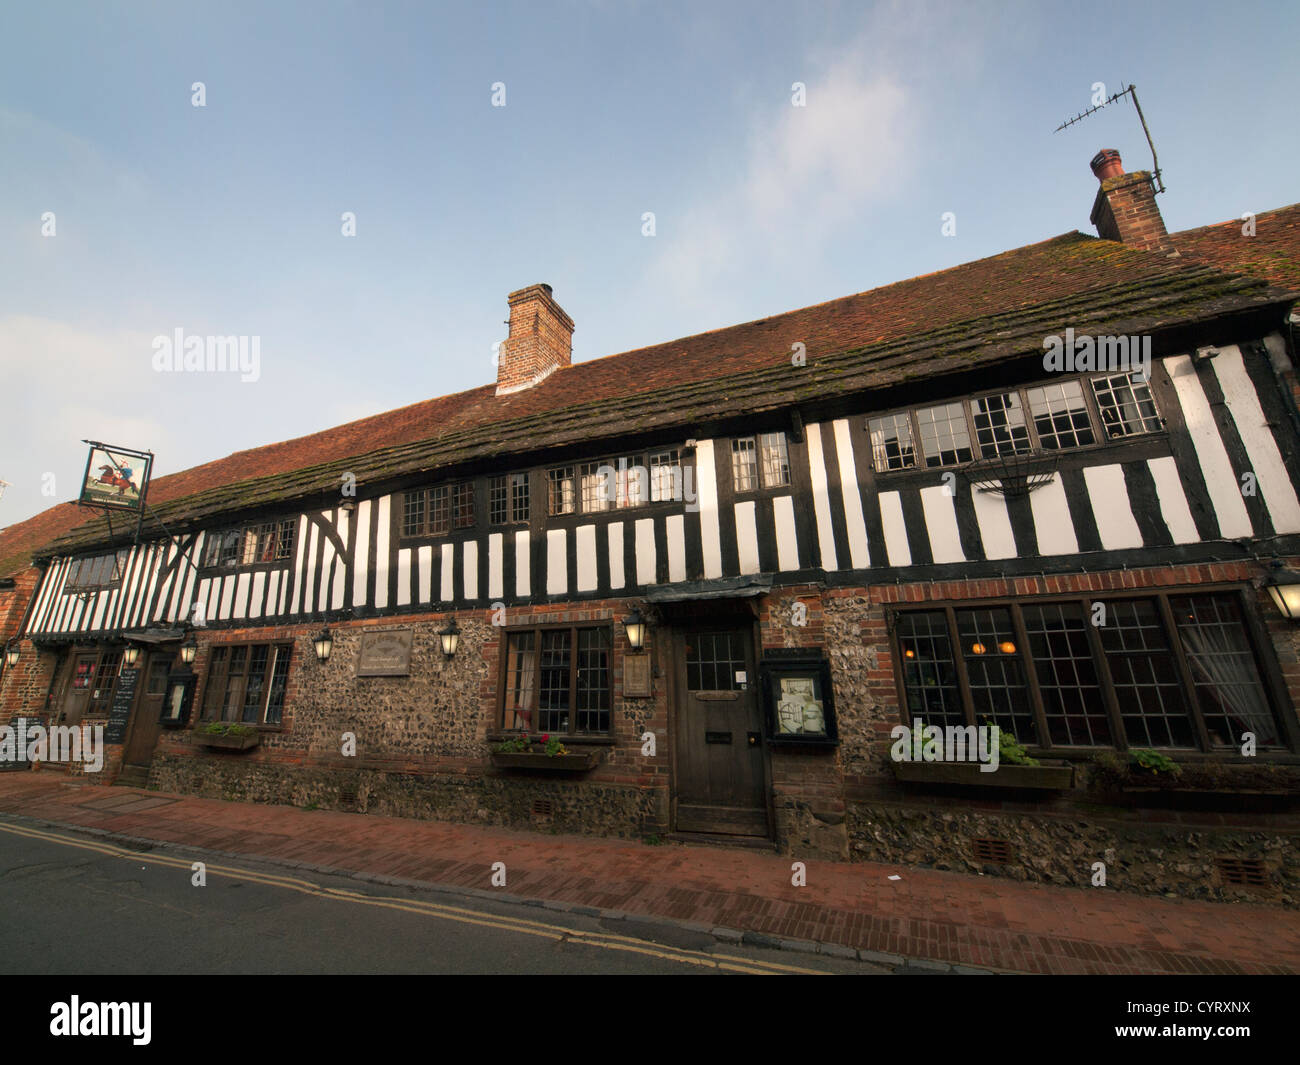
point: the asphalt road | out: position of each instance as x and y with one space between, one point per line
73 904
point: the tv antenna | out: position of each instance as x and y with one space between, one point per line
1132 92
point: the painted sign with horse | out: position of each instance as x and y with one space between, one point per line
116 477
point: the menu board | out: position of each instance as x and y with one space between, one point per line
120 711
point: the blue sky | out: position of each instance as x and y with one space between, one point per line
225 219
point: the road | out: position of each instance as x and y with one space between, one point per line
81 905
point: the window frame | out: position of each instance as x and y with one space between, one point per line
121 559
455 501
251 536
275 648
507 484
1270 677
503 678
1096 424
760 463
649 486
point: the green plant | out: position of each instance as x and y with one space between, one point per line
1010 750
652 841
227 728
1153 762
553 746
515 745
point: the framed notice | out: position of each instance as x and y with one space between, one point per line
798 702
636 675
385 654
116 477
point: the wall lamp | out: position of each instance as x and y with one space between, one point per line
130 655
450 637
635 626
11 653
323 641
1284 588
189 649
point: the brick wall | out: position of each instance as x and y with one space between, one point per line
540 339
1125 210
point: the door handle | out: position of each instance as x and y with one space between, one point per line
754 737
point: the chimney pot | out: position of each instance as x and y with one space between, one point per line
1106 164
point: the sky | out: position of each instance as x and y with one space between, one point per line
483 147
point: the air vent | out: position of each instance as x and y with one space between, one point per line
992 851
1243 872
348 793
543 807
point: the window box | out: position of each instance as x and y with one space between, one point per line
1112 773
1046 776
574 762
227 741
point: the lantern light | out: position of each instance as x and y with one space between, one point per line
130 655
635 626
11 653
1284 588
450 637
189 649
323 641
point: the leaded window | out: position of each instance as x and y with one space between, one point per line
246 683
1060 415
558 681
891 442
1126 405
999 422
945 439
1173 671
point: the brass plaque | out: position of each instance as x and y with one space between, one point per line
636 676
385 654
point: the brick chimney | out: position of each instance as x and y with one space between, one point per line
1125 208
540 340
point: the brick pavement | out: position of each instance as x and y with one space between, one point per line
937 916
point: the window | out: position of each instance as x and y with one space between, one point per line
561 490
246 683
1126 405
508 499
249 545
96 572
596 487
1060 415
666 476
269 542
764 456
436 511
713 659
945 439
558 681
999 424
891 442
1054 688
616 483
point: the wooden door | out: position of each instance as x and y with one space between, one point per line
145 718
78 688
721 779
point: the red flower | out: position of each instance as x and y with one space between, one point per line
546 739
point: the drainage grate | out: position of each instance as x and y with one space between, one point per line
543 807
993 851
1243 872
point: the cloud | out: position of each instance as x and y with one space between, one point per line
807 172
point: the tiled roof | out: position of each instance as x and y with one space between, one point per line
1273 253
942 322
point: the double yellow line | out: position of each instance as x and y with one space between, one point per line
556 933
